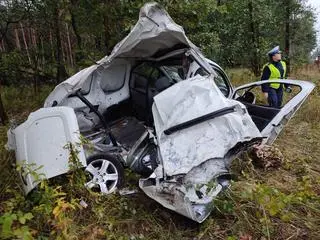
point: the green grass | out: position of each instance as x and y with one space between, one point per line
279 203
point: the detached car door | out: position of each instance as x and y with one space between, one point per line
40 144
270 121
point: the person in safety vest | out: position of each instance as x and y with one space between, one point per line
275 69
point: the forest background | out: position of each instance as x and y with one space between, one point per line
50 40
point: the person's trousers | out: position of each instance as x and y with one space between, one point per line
275 97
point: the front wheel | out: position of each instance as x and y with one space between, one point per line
106 173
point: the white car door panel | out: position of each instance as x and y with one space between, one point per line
40 143
277 118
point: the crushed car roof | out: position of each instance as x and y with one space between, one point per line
154 35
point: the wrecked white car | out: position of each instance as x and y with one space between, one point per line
157 106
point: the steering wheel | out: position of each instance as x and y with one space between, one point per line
247 97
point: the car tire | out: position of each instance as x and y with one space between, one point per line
105 173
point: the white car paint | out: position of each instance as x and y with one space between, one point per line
188 148
272 130
40 142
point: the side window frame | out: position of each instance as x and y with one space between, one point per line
225 78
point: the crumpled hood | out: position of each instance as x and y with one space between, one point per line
211 138
154 33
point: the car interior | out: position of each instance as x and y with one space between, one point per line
261 115
128 119
259 110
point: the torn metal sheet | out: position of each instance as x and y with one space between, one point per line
196 128
212 138
154 32
184 195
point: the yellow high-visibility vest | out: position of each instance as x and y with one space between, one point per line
275 73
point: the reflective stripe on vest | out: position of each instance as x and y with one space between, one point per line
275 73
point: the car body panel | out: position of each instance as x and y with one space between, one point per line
40 143
273 129
187 148
193 158
226 84
180 199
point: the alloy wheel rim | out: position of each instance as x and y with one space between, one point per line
104 176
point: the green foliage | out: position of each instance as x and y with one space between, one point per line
233 33
8 62
50 204
9 231
32 169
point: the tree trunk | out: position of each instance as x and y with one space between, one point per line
34 38
287 33
61 71
74 24
107 24
4 37
36 76
42 54
25 42
52 47
63 51
97 41
106 33
254 41
69 46
17 39
3 114
3 46
7 43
